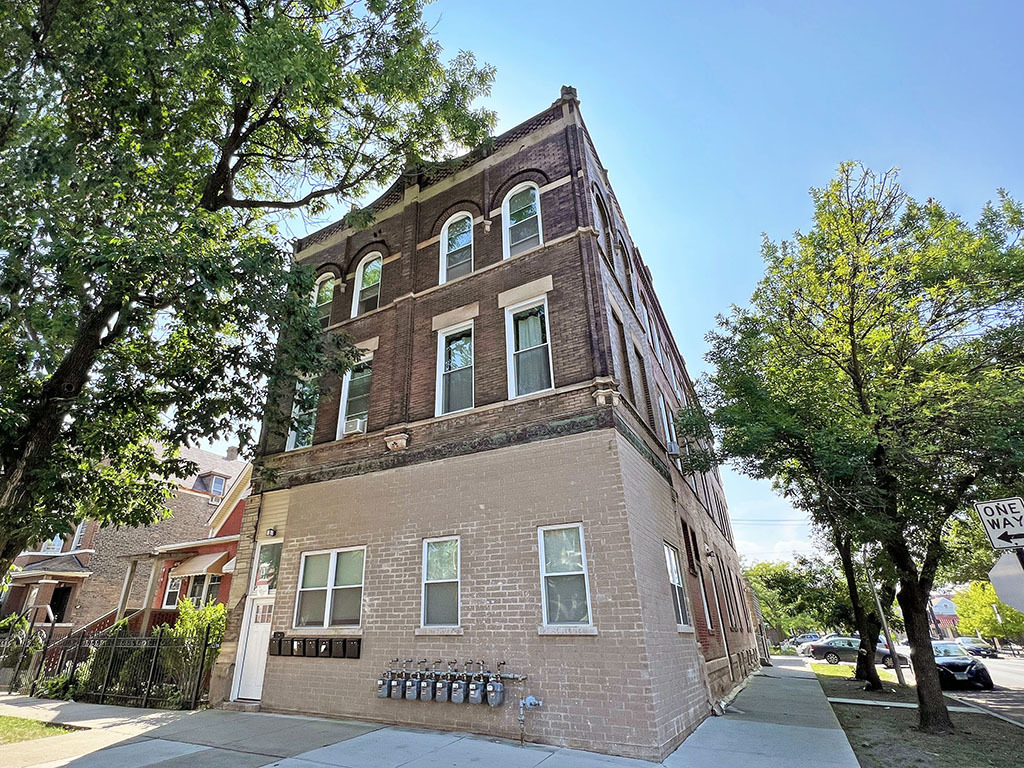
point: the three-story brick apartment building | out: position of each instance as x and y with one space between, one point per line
498 478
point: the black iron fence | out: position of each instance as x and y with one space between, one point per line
162 670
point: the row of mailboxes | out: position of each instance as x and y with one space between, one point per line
321 647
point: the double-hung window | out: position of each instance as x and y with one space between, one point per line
675 580
323 298
304 408
331 588
366 296
172 593
355 399
455 369
56 544
204 589
563 574
529 348
441 580
217 485
521 213
76 542
456 247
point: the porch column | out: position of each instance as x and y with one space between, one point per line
147 607
126 589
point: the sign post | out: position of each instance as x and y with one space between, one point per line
1003 521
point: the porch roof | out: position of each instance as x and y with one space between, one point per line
62 565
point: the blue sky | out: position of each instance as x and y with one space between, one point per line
715 118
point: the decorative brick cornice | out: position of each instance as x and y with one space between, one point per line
529 433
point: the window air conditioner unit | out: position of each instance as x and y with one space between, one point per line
673 448
354 426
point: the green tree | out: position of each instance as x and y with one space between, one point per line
147 151
977 605
969 553
888 342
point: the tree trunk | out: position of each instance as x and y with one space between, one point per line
866 669
932 712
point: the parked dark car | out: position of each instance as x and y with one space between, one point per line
957 667
977 647
884 657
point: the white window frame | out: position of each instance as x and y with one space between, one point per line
206 577
343 403
327 276
681 595
177 593
442 337
424 582
510 356
332 565
76 542
543 575
506 246
255 565
356 290
213 485
442 275
292 435
52 546
664 417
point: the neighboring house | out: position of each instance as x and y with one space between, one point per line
499 477
943 617
82 576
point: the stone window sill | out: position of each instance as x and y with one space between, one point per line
685 629
569 629
421 631
328 631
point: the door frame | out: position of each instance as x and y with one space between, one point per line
243 641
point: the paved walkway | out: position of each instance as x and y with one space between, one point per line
780 719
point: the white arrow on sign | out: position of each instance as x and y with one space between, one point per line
1007 576
1003 520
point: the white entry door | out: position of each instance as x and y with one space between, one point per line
254 651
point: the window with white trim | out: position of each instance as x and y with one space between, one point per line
331 588
172 593
54 545
528 348
455 369
520 214
675 580
204 589
303 416
565 587
267 564
217 485
456 247
76 542
442 573
664 417
355 399
323 298
366 293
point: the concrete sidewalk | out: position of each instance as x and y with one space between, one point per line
780 719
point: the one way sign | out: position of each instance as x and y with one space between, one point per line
1004 522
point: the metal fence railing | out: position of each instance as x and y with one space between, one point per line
163 670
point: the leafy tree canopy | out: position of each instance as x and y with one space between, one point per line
146 152
980 611
883 349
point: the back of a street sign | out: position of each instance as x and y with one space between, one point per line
1003 520
1007 577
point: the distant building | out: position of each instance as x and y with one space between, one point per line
81 577
499 478
943 617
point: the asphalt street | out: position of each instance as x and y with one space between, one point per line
1007 698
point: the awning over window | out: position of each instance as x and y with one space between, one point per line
229 566
200 564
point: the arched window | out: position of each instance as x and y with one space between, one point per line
604 232
323 298
456 247
520 212
366 296
627 262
